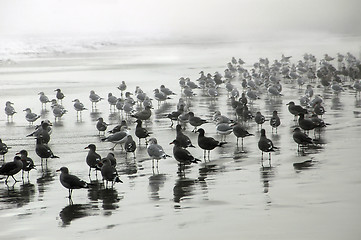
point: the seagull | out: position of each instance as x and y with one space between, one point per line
141 132
101 125
31 117
59 95
28 163
9 110
58 110
144 114
195 121
130 146
11 168
109 173
182 140
43 99
166 91
69 181
117 138
93 158
44 131
207 143
112 100
43 150
259 119
295 109
266 145
275 121
223 129
122 87
301 138
155 151
240 132
79 107
3 149
94 98
182 155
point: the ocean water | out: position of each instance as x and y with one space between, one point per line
233 196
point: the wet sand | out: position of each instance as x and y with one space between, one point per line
230 197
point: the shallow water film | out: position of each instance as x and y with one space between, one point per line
311 192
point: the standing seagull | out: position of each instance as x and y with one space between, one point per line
301 138
43 150
79 107
3 149
130 146
143 115
70 181
182 155
28 163
59 95
141 132
11 168
241 132
93 158
122 87
31 117
182 140
266 145
94 98
43 99
275 121
155 151
195 121
9 110
117 138
109 173
207 143
101 125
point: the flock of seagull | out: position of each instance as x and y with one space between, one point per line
261 78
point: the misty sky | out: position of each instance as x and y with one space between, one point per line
231 18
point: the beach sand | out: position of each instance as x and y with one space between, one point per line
231 197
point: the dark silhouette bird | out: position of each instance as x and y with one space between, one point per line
101 125
195 121
275 121
59 95
182 139
182 155
130 146
144 114
141 132
259 119
266 145
3 149
173 116
28 163
43 150
240 132
93 158
69 181
301 138
109 173
44 130
207 143
306 124
296 109
11 168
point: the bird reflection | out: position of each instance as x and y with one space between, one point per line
336 104
183 188
74 211
267 173
94 115
47 176
303 165
18 197
109 196
156 181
